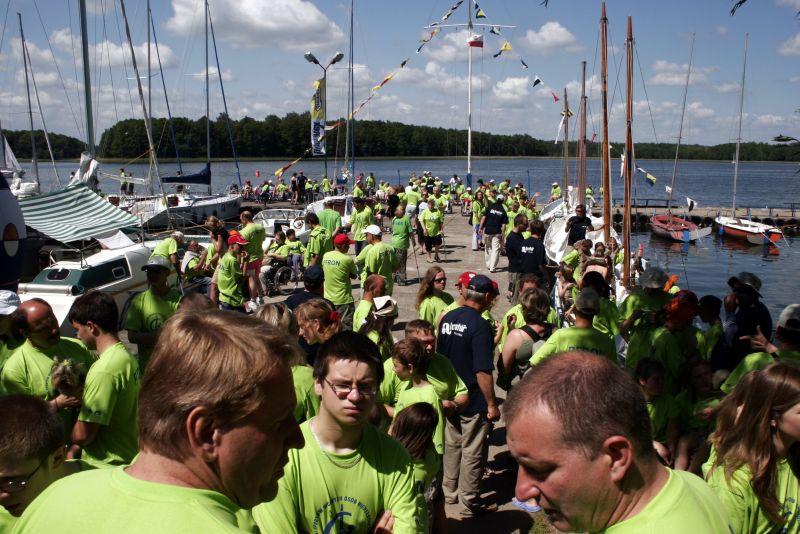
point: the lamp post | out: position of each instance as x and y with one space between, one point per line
311 58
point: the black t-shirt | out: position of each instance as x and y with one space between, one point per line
301 182
533 256
465 338
577 228
747 320
496 217
513 251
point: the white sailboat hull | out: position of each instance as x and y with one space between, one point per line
752 232
189 210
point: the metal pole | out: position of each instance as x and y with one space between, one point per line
739 135
469 99
87 82
680 131
149 99
34 159
566 146
582 140
606 155
208 107
626 229
325 110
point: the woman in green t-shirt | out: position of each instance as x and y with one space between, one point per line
478 207
754 463
432 299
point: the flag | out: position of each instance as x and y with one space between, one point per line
651 180
476 41
505 48
318 118
668 188
536 81
555 97
622 164
568 113
524 65
560 127
479 14
495 30
691 203
403 63
384 82
419 48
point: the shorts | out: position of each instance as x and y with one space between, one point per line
411 210
254 267
432 241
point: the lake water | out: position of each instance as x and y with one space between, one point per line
703 268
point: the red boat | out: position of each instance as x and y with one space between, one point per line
753 232
674 228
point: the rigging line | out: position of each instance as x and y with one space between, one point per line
98 68
166 97
81 127
108 59
662 162
53 55
5 20
124 63
41 115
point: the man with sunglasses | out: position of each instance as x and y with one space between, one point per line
578 225
349 476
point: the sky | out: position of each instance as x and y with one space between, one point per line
261 45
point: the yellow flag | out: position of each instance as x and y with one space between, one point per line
506 47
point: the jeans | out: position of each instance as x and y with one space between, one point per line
476 237
466 447
227 307
492 251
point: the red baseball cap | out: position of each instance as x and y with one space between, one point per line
465 277
237 239
342 239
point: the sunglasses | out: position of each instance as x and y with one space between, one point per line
440 280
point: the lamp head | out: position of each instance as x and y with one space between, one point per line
311 58
337 58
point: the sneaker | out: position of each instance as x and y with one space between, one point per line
251 306
530 508
478 508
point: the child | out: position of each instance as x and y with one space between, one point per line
296 250
712 346
413 428
565 281
698 405
663 410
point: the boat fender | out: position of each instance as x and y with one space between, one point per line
297 224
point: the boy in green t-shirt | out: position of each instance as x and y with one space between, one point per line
231 273
106 426
295 250
664 412
402 238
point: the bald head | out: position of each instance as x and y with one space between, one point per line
38 323
591 397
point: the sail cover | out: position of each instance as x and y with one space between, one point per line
202 178
72 214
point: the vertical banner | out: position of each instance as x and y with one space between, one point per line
318 118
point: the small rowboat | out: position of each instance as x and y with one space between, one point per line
755 233
674 228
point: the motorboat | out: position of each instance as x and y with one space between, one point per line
752 232
341 203
185 209
275 220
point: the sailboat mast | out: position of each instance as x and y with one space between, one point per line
582 140
566 145
469 98
208 105
149 98
680 129
87 81
34 159
739 134
606 155
626 226
350 126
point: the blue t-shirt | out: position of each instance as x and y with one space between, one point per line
465 338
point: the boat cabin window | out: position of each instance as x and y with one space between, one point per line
118 272
57 275
105 273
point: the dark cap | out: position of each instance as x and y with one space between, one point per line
746 279
588 302
314 275
481 284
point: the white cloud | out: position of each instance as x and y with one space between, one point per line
769 120
727 87
288 24
435 76
794 4
43 79
512 91
699 110
721 30
667 73
110 52
227 75
790 47
451 47
795 79
551 37
362 77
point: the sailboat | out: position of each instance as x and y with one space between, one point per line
667 225
755 233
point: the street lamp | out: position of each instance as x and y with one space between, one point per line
311 58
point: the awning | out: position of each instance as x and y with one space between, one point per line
72 214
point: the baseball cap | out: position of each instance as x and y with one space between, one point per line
746 279
176 234
790 318
653 278
588 302
341 239
373 229
9 302
469 189
237 239
554 183
156 262
481 284
314 274
500 198
465 277
385 306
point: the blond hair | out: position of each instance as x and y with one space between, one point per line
220 360
282 319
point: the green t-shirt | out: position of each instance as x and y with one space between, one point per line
360 314
666 347
641 333
326 185
754 362
689 421
229 280
147 312
516 311
427 394
401 232
307 399
384 348
412 197
432 307
477 211
662 410
322 492
110 400
441 374
381 260
607 321
571 258
684 505
432 221
360 220
7 520
27 371
425 469
572 338
255 234
319 242
330 219
7 347
110 500
339 269
740 501
358 192
294 247
709 340
166 248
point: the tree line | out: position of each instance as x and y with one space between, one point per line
289 137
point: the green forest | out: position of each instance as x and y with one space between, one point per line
288 137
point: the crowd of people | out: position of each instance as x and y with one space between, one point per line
321 413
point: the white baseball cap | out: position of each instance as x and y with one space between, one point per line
554 183
373 229
9 302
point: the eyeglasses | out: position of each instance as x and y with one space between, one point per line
440 280
343 390
14 484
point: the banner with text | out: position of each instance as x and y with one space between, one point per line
318 119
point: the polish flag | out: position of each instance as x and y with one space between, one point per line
476 41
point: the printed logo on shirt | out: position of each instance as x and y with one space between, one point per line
495 212
342 515
457 329
528 250
154 322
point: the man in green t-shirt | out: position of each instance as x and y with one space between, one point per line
432 220
402 238
230 274
349 476
361 217
380 258
148 310
32 454
255 234
329 218
339 269
168 248
319 241
10 338
579 428
216 422
106 426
